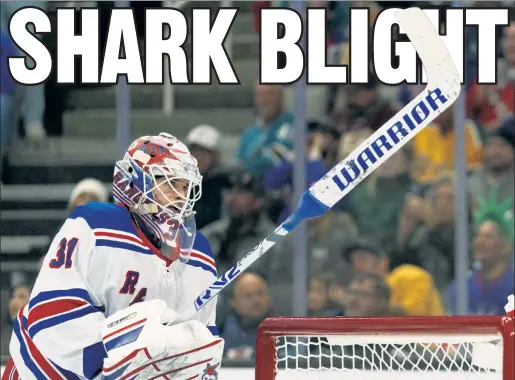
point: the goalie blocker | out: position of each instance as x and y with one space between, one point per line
139 345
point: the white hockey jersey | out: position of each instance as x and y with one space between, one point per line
99 262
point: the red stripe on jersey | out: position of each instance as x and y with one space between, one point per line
15 375
53 308
10 371
119 236
202 257
9 367
40 360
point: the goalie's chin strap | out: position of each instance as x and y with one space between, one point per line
152 238
149 208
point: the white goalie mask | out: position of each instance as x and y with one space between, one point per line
159 180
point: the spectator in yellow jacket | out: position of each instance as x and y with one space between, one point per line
412 288
433 148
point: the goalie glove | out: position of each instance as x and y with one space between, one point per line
139 345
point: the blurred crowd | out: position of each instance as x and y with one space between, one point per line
388 248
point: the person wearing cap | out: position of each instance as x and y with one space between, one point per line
412 288
87 190
497 172
269 139
203 142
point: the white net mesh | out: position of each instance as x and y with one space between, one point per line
387 357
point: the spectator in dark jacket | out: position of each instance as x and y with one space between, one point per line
245 226
250 305
365 107
204 144
319 301
368 295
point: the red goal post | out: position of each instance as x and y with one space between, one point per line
478 347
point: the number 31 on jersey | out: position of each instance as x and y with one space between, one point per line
64 254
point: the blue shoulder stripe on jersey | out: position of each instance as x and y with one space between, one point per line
123 339
27 359
104 215
214 330
93 359
121 245
59 319
201 265
201 244
63 293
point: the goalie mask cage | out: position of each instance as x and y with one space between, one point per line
408 348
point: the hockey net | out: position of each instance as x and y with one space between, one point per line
436 348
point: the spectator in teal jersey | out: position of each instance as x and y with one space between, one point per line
264 144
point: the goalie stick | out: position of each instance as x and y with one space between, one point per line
442 90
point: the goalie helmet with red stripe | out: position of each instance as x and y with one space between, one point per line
158 179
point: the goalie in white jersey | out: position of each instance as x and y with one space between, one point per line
116 274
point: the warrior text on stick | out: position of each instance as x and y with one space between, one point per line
166 33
